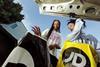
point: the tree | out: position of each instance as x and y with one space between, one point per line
10 12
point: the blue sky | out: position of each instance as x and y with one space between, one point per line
33 17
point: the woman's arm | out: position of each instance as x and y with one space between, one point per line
45 33
76 31
59 45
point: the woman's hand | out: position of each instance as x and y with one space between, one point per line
51 47
36 30
54 46
57 46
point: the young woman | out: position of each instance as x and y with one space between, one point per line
77 35
53 38
76 26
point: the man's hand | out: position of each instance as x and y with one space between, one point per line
36 30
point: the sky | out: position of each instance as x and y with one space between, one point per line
32 17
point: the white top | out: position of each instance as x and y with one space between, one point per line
55 38
78 26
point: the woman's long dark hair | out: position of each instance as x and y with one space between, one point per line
52 28
74 21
